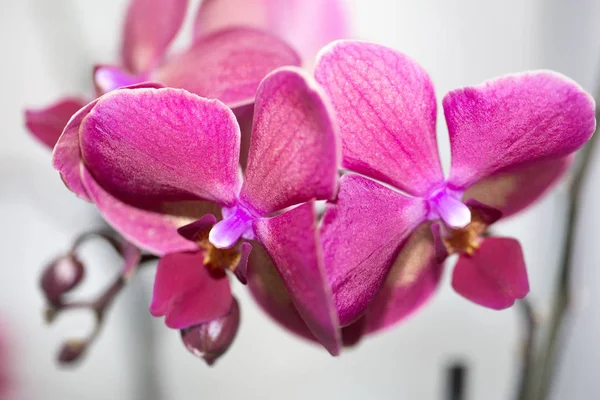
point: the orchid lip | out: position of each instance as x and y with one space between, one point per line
236 223
446 204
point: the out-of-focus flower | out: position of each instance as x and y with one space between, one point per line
182 163
307 25
6 378
227 64
511 139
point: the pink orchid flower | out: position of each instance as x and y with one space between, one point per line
307 25
227 63
157 160
397 216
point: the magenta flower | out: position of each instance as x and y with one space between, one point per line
307 25
156 160
227 64
511 139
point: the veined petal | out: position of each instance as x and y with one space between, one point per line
150 145
512 191
227 65
150 26
294 152
286 18
47 124
413 279
270 293
292 241
67 158
362 232
494 276
153 231
187 292
515 121
385 105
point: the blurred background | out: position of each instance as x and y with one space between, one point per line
48 47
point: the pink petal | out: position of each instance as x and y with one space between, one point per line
270 293
512 191
494 276
47 124
413 279
307 24
107 78
153 231
150 26
187 292
293 242
66 157
294 153
147 145
386 109
227 65
362 232
514 121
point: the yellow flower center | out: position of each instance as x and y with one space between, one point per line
468 239
215 258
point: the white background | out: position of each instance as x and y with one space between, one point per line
48 48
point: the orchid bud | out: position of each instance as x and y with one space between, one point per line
211 340
71 351
61 276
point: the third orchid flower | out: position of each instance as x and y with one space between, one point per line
511 139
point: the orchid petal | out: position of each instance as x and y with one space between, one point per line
353 333
511 192
66 157
413 279
47 124
362 232
162 144
386 108
227 65
150 26
292 240
286 18
515 121
108 78
153 231
267 288
294 151
187 292
241 269
494 276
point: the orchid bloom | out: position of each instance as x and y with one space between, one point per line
226 64
307 25
396 216
156 161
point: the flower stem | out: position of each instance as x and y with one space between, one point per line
539 387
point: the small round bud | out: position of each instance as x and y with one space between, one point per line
211 340
60 276
71 351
